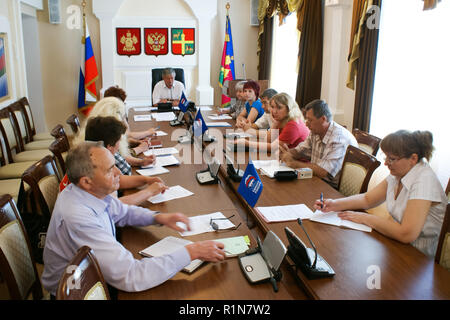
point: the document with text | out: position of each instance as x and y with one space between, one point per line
285 213
175 192
333 219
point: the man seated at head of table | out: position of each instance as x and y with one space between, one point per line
109 130
286 125
324 149
414 196
113 106
168 89
86 214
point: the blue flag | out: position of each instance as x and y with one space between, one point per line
183 103
199 125
251 185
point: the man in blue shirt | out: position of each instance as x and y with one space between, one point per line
86 214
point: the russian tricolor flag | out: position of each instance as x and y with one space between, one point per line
87 92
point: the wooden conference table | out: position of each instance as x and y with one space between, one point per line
355 256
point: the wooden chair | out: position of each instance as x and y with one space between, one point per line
12 141
11 170
17 265
60 147
367 142
74 122
357 169
443 249
43 179
263 85
83 279
30 122
17 116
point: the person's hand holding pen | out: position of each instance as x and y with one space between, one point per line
325 205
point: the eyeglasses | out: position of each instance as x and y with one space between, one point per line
390 160
215 226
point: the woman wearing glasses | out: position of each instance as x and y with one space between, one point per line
413 194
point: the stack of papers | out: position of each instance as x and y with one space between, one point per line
144 108
285 213
152 171
164 116
333 219
142 117
175 192
169 245
161 152
269 167
163 161
201 224
220 117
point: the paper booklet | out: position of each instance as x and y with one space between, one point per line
169 245
333 219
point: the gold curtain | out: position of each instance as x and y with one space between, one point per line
268 8
430 4
359 19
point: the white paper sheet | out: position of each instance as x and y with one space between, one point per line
163 161
161 151
205 108
218 124
164 116
220 117
142 117
161 133
175 192
201 224
152 171
144 108
333 219
285 213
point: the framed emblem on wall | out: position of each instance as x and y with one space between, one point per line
183 41
156 41
128 41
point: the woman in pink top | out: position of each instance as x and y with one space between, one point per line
288 126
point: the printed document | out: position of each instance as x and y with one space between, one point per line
161 152
163 161
164 116
175 192
202 224
152 171
142 117
285 213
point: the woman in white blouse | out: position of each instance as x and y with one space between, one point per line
413 194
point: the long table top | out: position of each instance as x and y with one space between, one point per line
357 257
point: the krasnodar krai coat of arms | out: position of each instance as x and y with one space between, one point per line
156 41
128 41
183 41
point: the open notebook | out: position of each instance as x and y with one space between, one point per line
167 246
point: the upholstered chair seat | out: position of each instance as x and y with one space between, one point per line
14 170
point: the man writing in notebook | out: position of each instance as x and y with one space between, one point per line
86 214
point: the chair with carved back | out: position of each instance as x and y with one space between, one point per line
367 142
74 122
443 249
17 116
12 141
60 148
30 122
83 279
17 264
43 179
357 169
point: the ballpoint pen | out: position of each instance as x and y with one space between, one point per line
321 200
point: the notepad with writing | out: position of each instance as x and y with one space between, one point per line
333 219
167 246
284 213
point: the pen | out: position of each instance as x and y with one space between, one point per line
321 200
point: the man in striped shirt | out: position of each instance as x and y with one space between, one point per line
324 149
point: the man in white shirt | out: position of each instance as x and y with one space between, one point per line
86 214
168 89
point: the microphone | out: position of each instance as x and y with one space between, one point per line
312 244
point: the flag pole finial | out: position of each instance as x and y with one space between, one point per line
83 38
227 6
